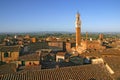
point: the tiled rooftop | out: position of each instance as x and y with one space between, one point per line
112 58
37 46
7 68
29 68
86 72
30 57
10 48
91 53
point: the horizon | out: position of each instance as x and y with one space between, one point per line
44 15
61 32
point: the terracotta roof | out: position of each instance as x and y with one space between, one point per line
92 53
30 57
10 48
7 68
86 72
114 63
38 45
29 68
61 53
112 58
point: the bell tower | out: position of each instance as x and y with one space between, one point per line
78 30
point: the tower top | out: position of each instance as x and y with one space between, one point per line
78 21
77 15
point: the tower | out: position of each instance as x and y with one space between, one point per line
78 30
100 36
86 36
86 40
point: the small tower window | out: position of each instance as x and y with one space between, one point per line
6 54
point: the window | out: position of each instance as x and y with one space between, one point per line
29 63
6 54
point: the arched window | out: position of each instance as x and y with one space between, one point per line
6 54
29 63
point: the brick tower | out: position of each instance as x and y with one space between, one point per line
100 36
78 30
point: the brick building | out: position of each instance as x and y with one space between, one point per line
9 53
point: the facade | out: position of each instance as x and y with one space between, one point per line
95 45
69 45
33 40
57 45
60 56
28 63
9 53
29 60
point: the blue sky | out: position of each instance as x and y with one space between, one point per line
59 15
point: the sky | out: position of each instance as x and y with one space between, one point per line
59 15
